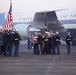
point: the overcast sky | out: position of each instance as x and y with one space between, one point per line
27 8
36 5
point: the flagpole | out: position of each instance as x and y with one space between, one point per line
12 20
9 19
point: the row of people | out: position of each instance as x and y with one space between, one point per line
10 40
46 44
49 43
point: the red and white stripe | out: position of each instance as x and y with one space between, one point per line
8 22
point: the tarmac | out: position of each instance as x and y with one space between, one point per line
29 64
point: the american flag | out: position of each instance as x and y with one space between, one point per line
9 19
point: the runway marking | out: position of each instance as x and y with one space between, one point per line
50 66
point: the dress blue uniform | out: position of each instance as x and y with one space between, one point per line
69 42
46 43
36 48
57 43
17 39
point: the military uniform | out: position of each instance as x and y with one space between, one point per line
46 42
69 43
40 43
36 48
17 39
57 43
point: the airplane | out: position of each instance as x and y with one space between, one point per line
56 20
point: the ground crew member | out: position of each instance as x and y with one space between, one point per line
69 42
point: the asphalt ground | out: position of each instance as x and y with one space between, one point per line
29 64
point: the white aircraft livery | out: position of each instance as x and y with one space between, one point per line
57 20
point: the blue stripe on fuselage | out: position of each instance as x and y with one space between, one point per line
68 21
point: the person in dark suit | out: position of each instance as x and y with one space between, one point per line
52 43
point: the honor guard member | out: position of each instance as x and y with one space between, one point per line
35 41
40 42
17 39
4 39
10 42
57 42
46 42
69 42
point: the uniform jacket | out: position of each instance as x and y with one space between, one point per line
46 39
69 39
10 38
57 39
39 39
17 38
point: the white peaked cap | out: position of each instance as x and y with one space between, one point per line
57 32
